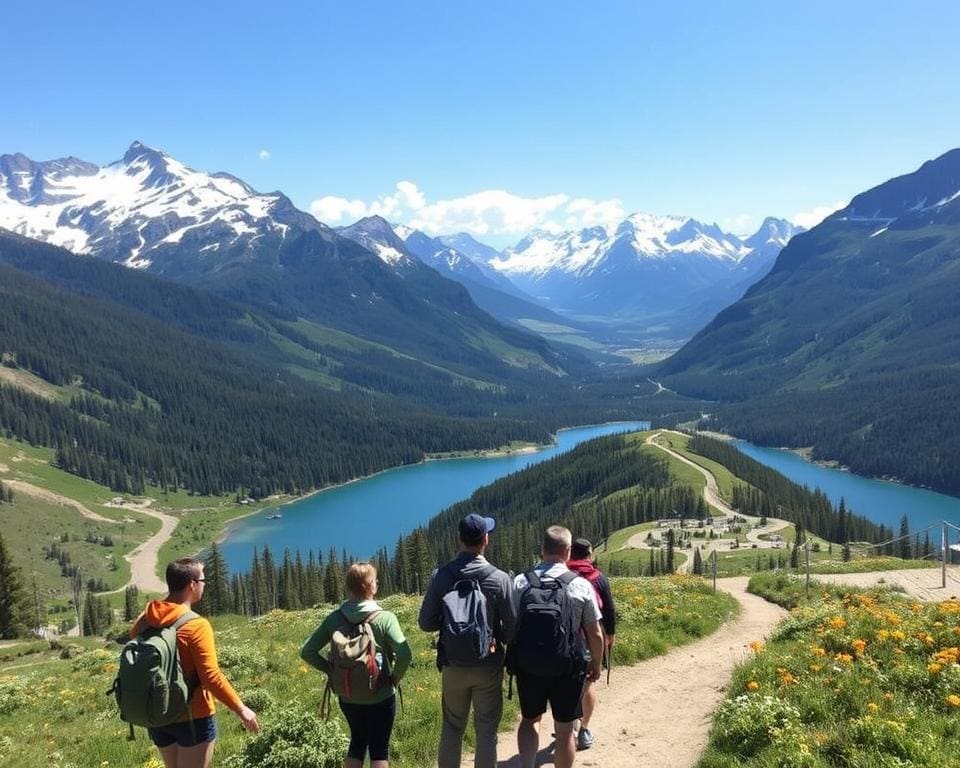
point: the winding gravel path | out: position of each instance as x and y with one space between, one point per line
657 713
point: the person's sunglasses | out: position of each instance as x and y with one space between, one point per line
199 579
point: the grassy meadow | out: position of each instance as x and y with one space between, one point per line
853 678
60 701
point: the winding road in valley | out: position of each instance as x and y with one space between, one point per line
143 559
711 494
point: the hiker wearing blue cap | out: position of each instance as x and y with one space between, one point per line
469 603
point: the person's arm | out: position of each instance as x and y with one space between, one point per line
506 609
431 613
204 652
609 611
594 636
398 646
310 652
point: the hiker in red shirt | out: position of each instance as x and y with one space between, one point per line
581 563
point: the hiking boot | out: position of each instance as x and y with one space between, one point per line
584 739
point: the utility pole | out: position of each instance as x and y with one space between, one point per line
943 554
807 547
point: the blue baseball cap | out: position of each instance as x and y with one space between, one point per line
473 526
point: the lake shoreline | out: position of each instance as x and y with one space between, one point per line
490 453
373 515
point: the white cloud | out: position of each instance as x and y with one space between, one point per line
264 154
742 224
337 210
489 212
808 219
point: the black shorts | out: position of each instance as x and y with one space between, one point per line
189 733
563 693
370 727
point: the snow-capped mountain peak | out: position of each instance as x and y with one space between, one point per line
144 201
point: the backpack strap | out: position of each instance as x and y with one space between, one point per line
566 578
370 617
533 579
183 619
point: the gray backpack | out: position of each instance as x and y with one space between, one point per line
466 635
150 686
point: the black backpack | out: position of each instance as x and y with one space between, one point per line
466 635
547 641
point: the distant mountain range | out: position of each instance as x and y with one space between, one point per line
666 275
852 342
411 252
149 211
657 278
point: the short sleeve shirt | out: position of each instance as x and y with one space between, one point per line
580 591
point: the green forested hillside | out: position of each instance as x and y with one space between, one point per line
158 405
852 343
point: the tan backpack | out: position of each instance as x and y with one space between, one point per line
355 666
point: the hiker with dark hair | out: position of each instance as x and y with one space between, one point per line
581 562
367 657
188 742
557 616
469 603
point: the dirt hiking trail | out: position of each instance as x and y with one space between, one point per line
657 713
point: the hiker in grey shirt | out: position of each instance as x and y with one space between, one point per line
562 691
470 661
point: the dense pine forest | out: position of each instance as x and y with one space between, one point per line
167 385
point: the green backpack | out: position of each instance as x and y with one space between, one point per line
150 686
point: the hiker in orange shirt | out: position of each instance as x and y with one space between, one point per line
189 744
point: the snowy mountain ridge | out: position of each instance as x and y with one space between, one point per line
129 208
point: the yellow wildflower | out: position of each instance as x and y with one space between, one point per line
753 685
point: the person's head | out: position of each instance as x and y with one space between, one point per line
556 544
361 581
185 578
475 532
581 549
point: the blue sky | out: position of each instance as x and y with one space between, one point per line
498 116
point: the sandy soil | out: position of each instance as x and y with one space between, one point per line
143 559
923 584
19 486
657 713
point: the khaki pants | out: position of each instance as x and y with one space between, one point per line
482 687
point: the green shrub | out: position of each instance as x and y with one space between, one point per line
242 660
298 739
747 724
13 694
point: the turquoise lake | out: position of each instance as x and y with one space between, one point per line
367 514
879 500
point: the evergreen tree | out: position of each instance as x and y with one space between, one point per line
846 552
131 603
903 548
258 587
333 579
216 593
926 545
670 538
270 580
12 600
315 581
697 562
